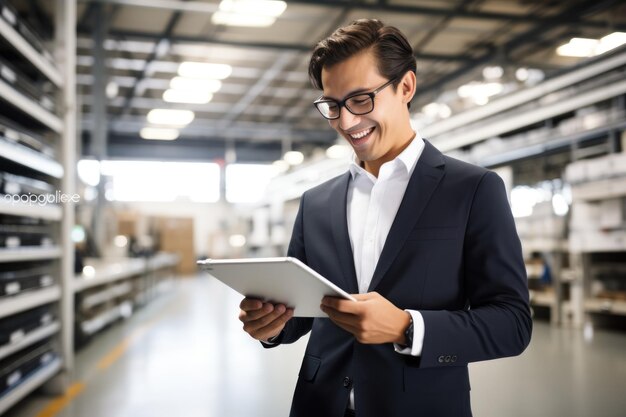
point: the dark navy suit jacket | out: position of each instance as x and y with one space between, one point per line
453 254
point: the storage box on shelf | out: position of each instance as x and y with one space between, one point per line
598 232
36 123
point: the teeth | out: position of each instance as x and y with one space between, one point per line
361 134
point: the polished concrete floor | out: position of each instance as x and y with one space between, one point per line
186 355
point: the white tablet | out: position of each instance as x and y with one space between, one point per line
277 280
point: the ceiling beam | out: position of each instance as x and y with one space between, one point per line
152 36
160 48
204 129
381 6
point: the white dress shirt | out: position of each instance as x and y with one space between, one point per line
372 204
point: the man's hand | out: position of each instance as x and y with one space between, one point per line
261 320
372 319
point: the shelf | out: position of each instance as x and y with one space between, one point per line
30 338
600 190
30 159
46 212
605 305
106 295
545 299
30 384
29 253
44 65
95 324
31 299
544 245
162 260
30 107
106 272
548 145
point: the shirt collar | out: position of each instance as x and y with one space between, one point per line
408 157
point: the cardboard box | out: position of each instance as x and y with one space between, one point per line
612 214
598 168
576 172
176 235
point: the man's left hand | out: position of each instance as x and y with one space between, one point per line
372 319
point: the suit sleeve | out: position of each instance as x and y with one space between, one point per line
496 322
297 326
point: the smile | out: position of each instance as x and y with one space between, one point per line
361 134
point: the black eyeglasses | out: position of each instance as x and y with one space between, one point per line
357 104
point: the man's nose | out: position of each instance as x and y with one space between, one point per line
347 119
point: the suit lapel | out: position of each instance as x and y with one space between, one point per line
339 225
426 176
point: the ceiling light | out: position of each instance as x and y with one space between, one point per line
204 70
120 241
237 241
521 74
281 166
481 100
234 19
338 151
611 41
111 90
578 47
187 96
254 13
294 157
493 73
170 117
195 84
153 133
271 8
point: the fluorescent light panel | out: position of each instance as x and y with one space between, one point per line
195 84
187 96
293 157
204 70
153 133
170 117
271 8
585 47
251 13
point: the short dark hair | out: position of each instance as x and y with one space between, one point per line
393 52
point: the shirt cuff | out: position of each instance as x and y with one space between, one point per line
418 336
271 340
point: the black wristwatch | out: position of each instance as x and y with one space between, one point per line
408 333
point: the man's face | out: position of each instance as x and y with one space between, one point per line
376 137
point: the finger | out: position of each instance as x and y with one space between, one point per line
340 304
248 304
273 328
265 319
340 317
252 315
364 297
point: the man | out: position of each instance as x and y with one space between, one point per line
427 243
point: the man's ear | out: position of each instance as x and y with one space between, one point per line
407 85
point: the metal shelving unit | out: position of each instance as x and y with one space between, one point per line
57 68
30 338
28 300
30 254
30 384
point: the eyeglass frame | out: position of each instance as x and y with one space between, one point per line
342 103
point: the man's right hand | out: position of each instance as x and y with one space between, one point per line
262 320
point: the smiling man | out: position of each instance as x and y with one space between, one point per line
426 243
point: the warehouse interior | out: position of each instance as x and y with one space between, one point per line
138 137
